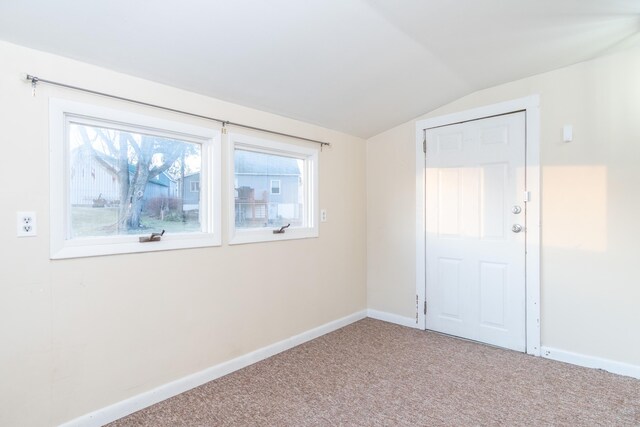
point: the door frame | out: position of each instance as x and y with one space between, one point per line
531 107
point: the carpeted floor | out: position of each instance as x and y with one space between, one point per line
373 373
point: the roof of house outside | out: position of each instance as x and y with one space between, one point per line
247 162
162 179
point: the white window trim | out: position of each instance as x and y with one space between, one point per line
210 178
271 187
191 186
237 236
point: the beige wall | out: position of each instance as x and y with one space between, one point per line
590 206
77 335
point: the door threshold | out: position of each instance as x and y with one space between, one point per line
473 341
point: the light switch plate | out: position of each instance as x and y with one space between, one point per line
567 133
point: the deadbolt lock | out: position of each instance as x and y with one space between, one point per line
516 209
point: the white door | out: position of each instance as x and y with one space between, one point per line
475 254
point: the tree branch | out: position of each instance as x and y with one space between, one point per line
108 141
170 158
100 157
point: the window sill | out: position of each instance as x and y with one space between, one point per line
81 248
241 237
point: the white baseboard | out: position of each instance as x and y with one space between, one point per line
158 394
613 366
392 318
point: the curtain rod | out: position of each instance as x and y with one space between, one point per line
35 80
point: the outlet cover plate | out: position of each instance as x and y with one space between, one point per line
26 224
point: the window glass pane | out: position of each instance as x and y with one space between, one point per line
275 186
124 182
269 190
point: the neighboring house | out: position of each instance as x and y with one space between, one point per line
90 180
190 189
92 184
159 186
266 193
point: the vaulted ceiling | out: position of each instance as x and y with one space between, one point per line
359 66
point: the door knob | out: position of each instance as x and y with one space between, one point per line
516 228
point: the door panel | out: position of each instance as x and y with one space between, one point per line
475 263
493 286
492 200
449 201
449 276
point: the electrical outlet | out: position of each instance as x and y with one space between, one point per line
323 215
26 223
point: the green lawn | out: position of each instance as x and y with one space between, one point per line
91 222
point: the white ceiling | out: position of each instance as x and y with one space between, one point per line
359 66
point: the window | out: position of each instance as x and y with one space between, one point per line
118 176
275 185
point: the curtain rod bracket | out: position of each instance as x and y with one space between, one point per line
34 83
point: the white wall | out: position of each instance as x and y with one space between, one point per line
77 335
590 206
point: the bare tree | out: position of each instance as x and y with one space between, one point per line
134 161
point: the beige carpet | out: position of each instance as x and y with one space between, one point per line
373 373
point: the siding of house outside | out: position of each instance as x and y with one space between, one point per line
285 205
191 199
255 204
90 180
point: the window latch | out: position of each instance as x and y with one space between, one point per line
281 230
155 237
